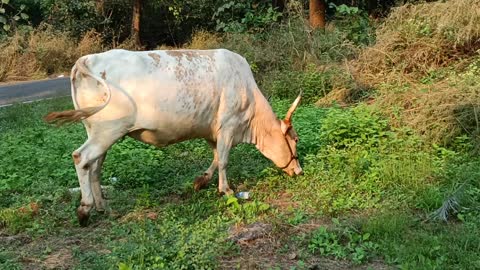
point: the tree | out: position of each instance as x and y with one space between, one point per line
137 9
317 14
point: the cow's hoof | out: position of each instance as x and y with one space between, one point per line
200 182
82 217
227 192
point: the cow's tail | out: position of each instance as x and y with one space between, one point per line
72 116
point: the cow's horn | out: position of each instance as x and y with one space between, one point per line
288 117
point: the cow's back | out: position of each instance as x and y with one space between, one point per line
176 94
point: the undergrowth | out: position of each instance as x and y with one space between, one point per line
158 220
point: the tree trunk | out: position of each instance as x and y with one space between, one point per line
137 9
317 14
280 4
99 6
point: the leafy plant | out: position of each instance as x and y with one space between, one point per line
355 23
357 126
11 15
344 242
247 211
241 16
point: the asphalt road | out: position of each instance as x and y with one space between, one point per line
36 90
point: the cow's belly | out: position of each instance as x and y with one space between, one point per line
161 127
164 136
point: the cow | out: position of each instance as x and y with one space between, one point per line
162 97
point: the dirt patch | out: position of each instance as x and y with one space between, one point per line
244 235
61 259
265 246
6 240
283 201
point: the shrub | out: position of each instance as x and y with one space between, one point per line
245 16
204 40
356 126
43 51
343 242
314 82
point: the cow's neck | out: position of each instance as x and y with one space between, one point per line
264 124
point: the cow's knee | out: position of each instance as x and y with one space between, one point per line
76 156
201 181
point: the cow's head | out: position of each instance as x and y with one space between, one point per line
280 145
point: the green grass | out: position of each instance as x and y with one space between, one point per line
365 199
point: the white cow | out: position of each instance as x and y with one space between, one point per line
163 97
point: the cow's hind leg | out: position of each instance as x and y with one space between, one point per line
95 175
202 181
88 160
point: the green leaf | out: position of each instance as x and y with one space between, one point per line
24 16
6 27
2 10
231 200
5 1
3 20
22 7
16 17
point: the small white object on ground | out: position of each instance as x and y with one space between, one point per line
243 195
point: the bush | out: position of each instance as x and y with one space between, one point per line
343 242
356 126
202 39
290 47
314 82
245 16
42 52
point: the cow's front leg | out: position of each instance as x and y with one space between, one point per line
223 147
203 180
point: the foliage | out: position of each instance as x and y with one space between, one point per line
313 83
355 23
74 17
11 15
354 127
245 16
42 52
247 211
343 242
158 219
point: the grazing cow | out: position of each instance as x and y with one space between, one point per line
164 97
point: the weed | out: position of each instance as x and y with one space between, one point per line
345 242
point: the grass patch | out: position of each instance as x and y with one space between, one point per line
380 182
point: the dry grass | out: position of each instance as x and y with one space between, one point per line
416 39
440 111
419 69
204 40
43 52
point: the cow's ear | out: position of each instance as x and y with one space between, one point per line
285 126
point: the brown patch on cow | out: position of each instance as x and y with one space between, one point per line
200 182
76 158
189 54
156 58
